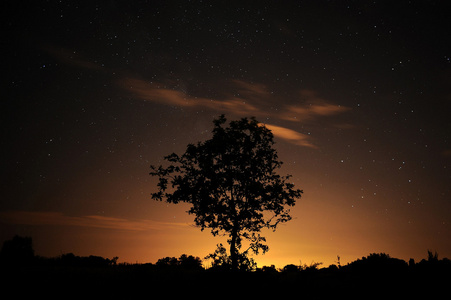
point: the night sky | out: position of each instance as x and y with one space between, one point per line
357 94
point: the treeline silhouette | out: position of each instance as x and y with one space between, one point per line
376 273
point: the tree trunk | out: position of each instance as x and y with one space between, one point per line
233 251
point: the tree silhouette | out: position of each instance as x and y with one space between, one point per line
231 183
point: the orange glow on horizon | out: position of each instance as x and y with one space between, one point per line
319 232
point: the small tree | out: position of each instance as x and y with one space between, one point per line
231 183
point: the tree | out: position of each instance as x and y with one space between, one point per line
231 183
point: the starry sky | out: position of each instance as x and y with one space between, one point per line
356 93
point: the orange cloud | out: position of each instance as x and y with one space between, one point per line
311 108
291 136
159 93
327 109
93 221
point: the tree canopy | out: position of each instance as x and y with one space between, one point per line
231 183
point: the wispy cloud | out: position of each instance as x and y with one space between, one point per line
93 221
253 91
446 152
291 136
252 100
159 93
311 107
71 57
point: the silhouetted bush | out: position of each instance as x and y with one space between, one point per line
332 268
268 269
433 265
377 263
17 251
71 260
190 262
167 262
184 262
291 268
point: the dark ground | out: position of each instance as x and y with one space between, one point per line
148 281
24 275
